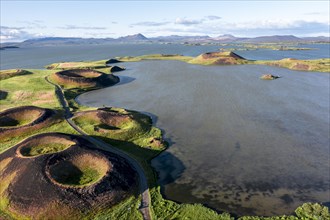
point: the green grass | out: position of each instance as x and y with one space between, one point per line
6 74
79 171
126 210
166 209
29 90
78 177
78 65
137 128
46 148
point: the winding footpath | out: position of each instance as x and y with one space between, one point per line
143 183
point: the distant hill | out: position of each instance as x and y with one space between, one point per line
226 38
178 38
273 39
53 41
135 37
317 39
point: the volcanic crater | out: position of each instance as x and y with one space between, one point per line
122 125
23 118
71 174
84 78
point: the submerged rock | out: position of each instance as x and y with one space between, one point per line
269 77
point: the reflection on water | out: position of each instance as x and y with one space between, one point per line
248 146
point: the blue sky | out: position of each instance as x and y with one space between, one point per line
22 20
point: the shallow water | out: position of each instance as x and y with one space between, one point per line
243 145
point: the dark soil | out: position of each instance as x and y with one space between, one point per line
32 191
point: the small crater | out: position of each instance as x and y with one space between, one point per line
79 171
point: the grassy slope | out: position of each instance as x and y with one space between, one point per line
35 85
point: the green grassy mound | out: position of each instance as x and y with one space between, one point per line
79 171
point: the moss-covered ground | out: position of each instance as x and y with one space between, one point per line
142 141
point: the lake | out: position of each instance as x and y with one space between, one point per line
38 57
238 143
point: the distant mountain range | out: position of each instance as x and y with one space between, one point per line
140 38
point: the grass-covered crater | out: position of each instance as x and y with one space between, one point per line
22 116
114 123
83 78
79 171
46 144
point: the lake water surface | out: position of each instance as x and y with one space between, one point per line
238 143
38 57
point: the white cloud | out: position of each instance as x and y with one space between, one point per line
186 21
212 17
150 23
75 27
17 34
250 28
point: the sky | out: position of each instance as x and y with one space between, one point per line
21 20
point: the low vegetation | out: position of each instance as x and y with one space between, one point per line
78 65
44 145
79 171
121 125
